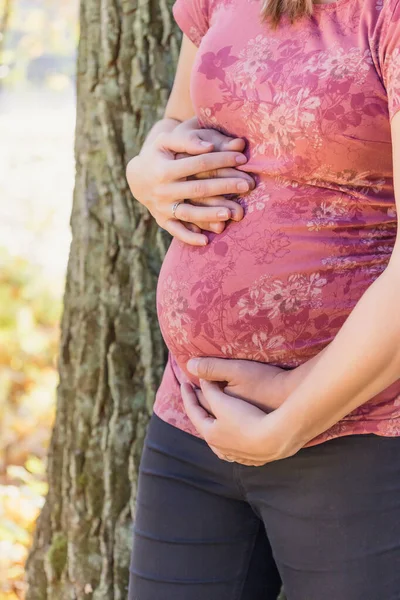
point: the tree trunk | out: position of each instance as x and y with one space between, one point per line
111 353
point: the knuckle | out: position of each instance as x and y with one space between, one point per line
161 138
199 188
183 211
230 187
207 368
130 169
158 192
202 134
203 163
161 173
192 136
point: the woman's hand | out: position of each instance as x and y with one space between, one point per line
262 385
237 431
203 176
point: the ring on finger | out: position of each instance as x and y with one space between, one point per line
174 208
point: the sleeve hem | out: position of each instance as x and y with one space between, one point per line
186 23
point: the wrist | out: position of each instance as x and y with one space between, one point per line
297 425
279 434
282 385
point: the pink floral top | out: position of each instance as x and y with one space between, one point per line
314 102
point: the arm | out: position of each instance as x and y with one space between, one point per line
362 360
158 180
179 106
365 353
366 359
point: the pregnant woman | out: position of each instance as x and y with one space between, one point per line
273 454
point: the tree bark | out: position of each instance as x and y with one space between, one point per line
111 353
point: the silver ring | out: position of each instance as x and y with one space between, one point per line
174 208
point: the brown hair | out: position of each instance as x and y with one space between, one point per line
273 10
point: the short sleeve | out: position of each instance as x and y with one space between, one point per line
191 17
389 55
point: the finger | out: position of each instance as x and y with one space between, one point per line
233 458
249 463
192 214
225 172
192 227
213 227
227 407
200 418
215 397
190 143
218 452
221 141
211 369
209 134
203 401
180 155
235 208
237 144
204 188
181 232
212 161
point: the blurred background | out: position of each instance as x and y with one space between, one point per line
38 41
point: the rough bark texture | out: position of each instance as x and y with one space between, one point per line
111 354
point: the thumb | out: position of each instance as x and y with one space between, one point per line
222 405
217 402
211 369
183 143
236 144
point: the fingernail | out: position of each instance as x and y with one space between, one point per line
223 214
193 365
243 186
204 241
206 143
241 159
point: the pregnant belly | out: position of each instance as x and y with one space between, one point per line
253 293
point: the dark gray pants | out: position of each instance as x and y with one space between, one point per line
326 522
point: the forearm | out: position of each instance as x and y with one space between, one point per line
362 360
288 381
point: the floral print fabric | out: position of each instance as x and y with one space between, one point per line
313 101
